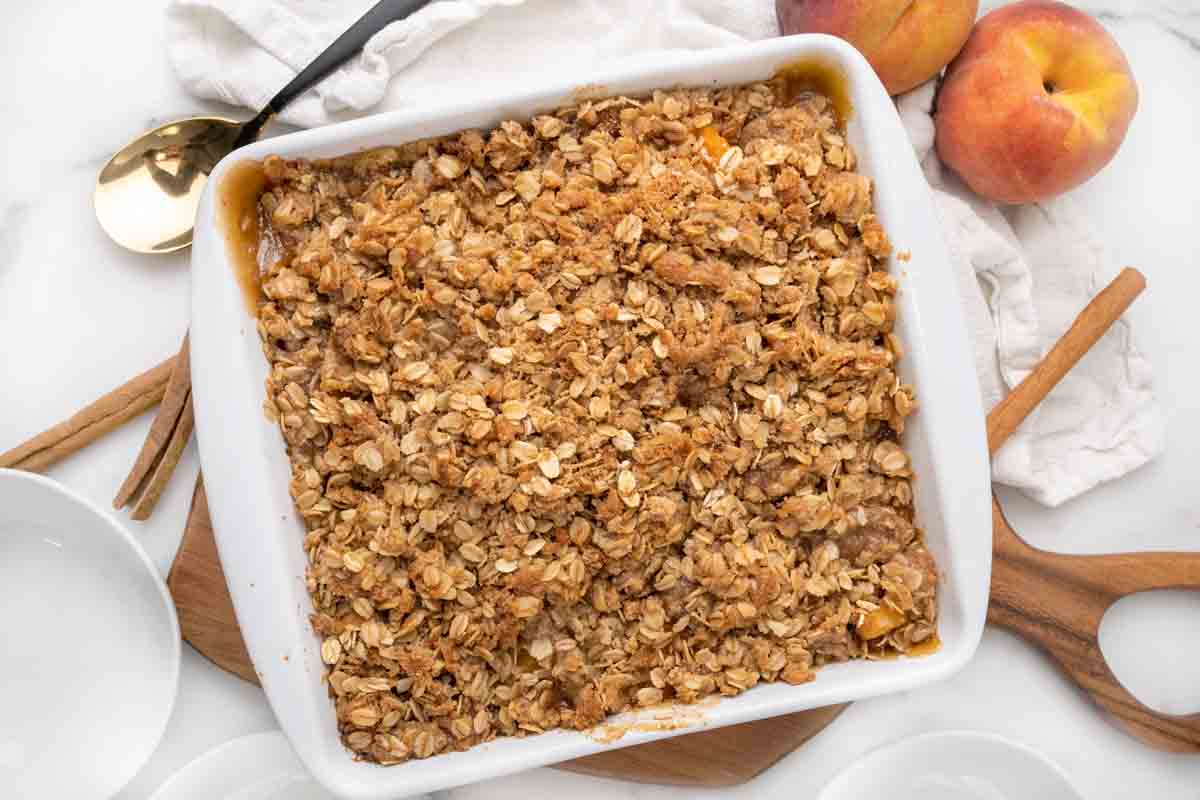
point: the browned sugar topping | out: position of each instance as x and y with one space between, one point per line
591 413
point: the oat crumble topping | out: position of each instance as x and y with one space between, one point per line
591 413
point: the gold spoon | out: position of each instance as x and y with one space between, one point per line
147 195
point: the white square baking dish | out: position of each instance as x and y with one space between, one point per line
246 468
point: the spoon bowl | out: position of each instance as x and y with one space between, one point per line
147 194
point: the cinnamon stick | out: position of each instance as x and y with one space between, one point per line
1096 318
178 389
90 423
148 498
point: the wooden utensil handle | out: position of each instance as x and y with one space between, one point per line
1081 587
1123 574
1085 331
1057 602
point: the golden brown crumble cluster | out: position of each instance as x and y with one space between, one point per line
591 413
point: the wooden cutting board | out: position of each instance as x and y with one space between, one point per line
721 757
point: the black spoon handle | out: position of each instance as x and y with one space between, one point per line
346 45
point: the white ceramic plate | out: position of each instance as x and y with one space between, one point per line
246 469
261 766
89 656
952 765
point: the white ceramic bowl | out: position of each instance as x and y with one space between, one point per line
246 470
260 766
952 765
89 657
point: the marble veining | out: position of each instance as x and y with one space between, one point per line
1184 26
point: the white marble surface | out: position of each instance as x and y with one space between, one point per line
78 316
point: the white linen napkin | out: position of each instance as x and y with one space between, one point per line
1025 272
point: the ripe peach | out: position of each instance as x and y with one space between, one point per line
1035 104
906 41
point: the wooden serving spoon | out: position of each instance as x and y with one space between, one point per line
1057 601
